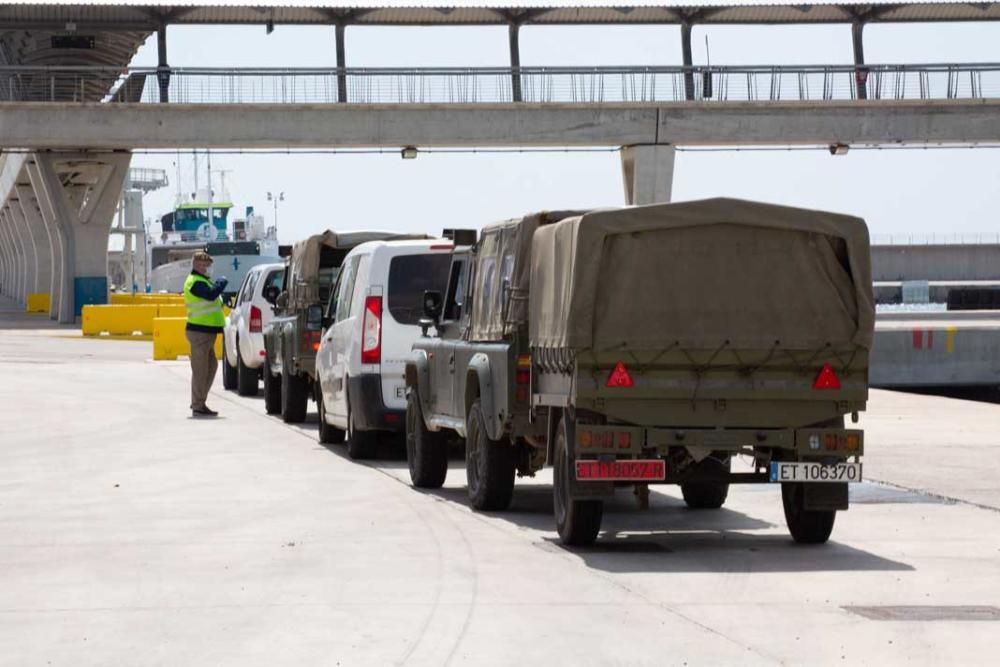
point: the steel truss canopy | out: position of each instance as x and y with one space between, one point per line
149 15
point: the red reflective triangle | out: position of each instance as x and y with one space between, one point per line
826 379
619 377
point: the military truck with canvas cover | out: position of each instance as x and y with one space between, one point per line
657 344
293 336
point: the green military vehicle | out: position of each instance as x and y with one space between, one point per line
648 345
292 338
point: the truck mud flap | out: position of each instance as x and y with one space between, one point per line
824 497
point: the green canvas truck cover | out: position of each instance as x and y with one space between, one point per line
702 275
305 259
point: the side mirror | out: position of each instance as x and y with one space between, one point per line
432 304
314 317
281 302
271 294
230 302
432 311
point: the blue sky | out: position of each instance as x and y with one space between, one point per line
898 192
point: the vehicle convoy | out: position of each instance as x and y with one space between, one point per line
243 335
370 325
647 345
292 338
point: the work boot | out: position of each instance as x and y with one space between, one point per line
204 412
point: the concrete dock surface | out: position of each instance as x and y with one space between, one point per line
131 534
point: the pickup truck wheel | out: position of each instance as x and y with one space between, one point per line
360 444
328 434
294 398
707 495
272 390
806 526
426 451
578 521
246 377
489 465
229 378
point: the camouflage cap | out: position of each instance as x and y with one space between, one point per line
202 256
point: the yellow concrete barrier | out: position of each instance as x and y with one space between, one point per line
139 298
38 303
169 341
118 320
172 310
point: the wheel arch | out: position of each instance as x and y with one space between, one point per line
479 384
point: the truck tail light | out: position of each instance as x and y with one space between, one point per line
827 378
371 331
311 339
256 320
620 377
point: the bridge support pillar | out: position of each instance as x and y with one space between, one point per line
10 265
162 67
860 72
648 173
514 35
18 281
32 215
29 283
82 212
340 30
687 59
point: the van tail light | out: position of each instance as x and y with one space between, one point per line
371 331
827 378
256 321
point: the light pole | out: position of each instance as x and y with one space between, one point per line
275 198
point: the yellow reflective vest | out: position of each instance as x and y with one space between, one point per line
200 311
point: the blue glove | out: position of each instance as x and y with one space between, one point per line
221 283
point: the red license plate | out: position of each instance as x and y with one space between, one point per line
618 471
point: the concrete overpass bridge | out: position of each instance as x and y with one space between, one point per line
71 110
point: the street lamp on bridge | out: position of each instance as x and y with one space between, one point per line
276 198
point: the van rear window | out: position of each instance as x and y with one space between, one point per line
409 277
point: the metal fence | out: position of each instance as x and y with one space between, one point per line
967 238
543 85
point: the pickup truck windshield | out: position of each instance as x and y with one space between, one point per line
409 277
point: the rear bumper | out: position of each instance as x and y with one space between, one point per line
631 441
252 349
367 407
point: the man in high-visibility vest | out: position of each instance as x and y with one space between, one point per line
205 319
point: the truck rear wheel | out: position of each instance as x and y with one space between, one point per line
246 377
328 434
272 390
489 465
426 451
229 378
578 521
294 398
806 526
707 495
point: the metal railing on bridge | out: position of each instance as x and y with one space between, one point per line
542 85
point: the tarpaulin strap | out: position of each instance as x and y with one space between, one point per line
700 370
750 370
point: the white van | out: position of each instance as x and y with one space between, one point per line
242 337
370 324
